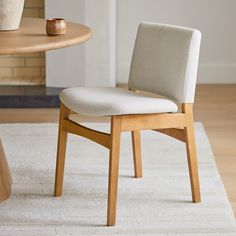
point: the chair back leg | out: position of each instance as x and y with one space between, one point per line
113 169
191 153
137 154
61 151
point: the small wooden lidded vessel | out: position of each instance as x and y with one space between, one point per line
56 26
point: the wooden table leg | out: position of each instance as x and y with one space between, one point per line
5 176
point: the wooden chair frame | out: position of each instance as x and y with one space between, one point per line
176 125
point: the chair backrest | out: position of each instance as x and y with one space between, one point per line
165 61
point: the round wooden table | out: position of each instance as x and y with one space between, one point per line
32 37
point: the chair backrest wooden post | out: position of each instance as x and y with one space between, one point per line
165 61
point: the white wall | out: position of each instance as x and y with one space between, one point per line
102 62
215 18
65 67
100 59
91 63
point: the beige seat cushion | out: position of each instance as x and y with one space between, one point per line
103 101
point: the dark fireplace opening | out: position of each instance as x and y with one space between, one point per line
29 96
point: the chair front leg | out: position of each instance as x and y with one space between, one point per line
61 151
137 154
113 169
191 153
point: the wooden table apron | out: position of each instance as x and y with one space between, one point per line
32 37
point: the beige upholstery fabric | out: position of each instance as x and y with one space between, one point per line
165 61
96 101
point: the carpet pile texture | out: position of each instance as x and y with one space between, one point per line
158 204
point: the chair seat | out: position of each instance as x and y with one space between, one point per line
105 101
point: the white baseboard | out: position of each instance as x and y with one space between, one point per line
217 74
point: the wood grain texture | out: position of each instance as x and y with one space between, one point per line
96 136
113 170
174 133
136 143
134 123
152 121
61 151
191 153
5 176
32 37
215 106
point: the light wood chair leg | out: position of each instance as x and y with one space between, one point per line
113 169
137 154
5 176
61 151
191 154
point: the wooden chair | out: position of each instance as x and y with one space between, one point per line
165 62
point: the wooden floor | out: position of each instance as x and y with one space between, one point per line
215 107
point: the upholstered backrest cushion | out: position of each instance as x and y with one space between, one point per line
165 61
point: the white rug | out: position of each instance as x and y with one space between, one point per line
158 204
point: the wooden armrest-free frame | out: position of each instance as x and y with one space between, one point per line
177 125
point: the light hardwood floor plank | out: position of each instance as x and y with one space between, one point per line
215 107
